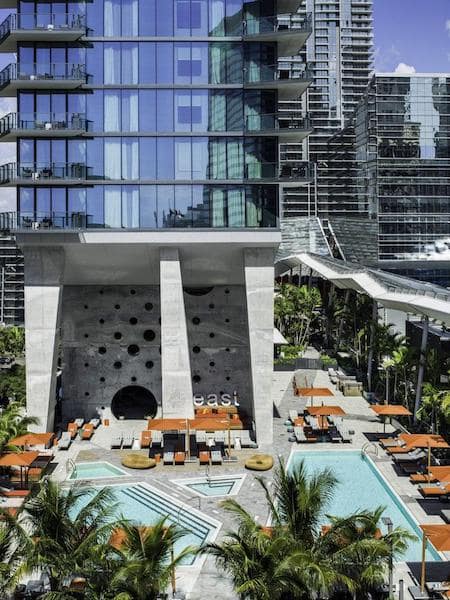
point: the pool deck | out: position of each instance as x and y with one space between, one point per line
207 582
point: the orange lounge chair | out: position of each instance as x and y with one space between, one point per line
146 438
180 457
87 432
16 493
421 478
72 428
204 457
435 491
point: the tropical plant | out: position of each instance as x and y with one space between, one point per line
404 360
13 422
295 312
12 545
12 341
435 408
148 561
296 558
12 384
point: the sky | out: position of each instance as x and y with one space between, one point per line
410 35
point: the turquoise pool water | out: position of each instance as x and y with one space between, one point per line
213 486
362 487
96 470
146 506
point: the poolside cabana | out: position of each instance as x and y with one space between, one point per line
390 410
23 460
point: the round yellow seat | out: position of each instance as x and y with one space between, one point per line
259 462
138 461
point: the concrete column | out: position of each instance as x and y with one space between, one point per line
43 291
177 396
259 280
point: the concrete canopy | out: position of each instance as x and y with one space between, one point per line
389 290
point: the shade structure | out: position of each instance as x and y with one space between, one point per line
425 440
32 439
440 473
219 423
326 410
390 410
438 535
21 459
311 391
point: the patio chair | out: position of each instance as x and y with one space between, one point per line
445 514
204 457
168 457
87 432
216 457
392 442
200 436
414 456
157 437
116 441
334 434
146 438
345 435
95 423
421 478
180 457
128 440
404 449
219 437
300 435
72 428
79 422
65 440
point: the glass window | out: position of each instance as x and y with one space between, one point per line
112 18
113 158
59 204
164 110
182 17
112 63
199 110
130 111
147 110
95 56
164 17
113 206
43 202
182 216
165 159
94 158
147 158
164 61
147 19
26 201
112 110
148 206
130 158
183 110
76 201
165 211
183 158
95 209
130 206
130 63
147 62
94 110
200 158
217 17
130 17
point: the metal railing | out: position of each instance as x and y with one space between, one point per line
42 22
278 121
34 220
300 171
282 70
253 25
43 122
42 71
11 172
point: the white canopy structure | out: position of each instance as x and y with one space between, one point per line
391 291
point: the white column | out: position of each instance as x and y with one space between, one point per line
43 292
259 280
177 393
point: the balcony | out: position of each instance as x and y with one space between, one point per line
41 76
34 221
290 83
42 125
286 125
288 174
289 31
43 173
56 27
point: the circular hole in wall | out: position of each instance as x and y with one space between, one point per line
133 321
86 335
149 335
149 364
196 349
101 292
86 364
102 350
117 364
148 306
134 402
117 306
133 379
86 394
211 335
117 335
196 379
227 320
228 378
86 307
211 306
198 291
102 379
227 349
227 291
196 321
132 292
212 364
101 321
133 350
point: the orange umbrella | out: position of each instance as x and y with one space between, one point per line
439 536
440 473
311 392
21 459
325 410
390 410
32 439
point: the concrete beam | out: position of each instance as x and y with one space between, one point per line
177 395
259 279
43 291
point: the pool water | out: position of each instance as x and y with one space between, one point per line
96 470
213 486
361 486
145 505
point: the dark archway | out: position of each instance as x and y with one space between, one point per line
134 402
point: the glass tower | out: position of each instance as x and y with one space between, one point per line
151 114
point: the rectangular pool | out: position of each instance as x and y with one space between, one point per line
96 470
361 486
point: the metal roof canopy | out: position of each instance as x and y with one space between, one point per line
391 291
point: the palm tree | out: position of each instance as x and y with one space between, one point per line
147 560
12 545
403 360
296 558
13 422
67 530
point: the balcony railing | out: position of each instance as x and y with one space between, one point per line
43 122
277 121
296 171
278 23
11 221
38 172
42 71
42 22
280 71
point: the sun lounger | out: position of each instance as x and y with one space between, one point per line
72 428
157 438
79 422
445 514
345 435
200 436
15 493
293 414
413 456
87 432
128 440
392 442
435 491
180 457
204 457
421 478
399 449
219 437
116 441
216 457
300 435
168 458
146 438
65 440
334 434
95 423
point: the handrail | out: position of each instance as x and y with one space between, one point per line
43 70
278 120
40 21
254 25
43 121
71 466
369 445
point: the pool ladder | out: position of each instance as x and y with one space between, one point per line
370 446
71 467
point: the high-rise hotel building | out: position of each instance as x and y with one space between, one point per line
148 179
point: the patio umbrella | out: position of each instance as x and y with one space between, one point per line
326 411
32 439
440 473
390 410
310 392
428 441
21 459
439 536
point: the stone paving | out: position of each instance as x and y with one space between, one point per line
207 581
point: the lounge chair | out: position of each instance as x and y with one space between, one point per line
334 434
95 423
445 514
219 437
345 435
180 457
65 440
146 438
293 414
157 438
216 457
15 493
87 432
399 449
435 491
200 436
116 441
204 457
421 478
392 442
72 428
79 422
128 440
412 456
300 435
168 458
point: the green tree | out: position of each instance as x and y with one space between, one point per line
404 360
13 422
435 408
12 545
12 341
296 310
12 383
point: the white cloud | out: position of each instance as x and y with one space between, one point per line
404 68
447 26
7 200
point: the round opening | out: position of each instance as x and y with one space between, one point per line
101 321
133 350
211 335
212 364
196 349
86 335
227 291
196 379
86 393
117 364
102 350
86 306
101 292
134 402
198 291
228 378
148 306
86 364
149 364
196 321
132 292
227 349
211 306
102 379
117 306
149 335
117 335
133 379
227 320
133 321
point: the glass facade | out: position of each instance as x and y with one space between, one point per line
145 120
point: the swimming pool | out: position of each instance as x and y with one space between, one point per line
213 486
96 470
145 505
361 486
